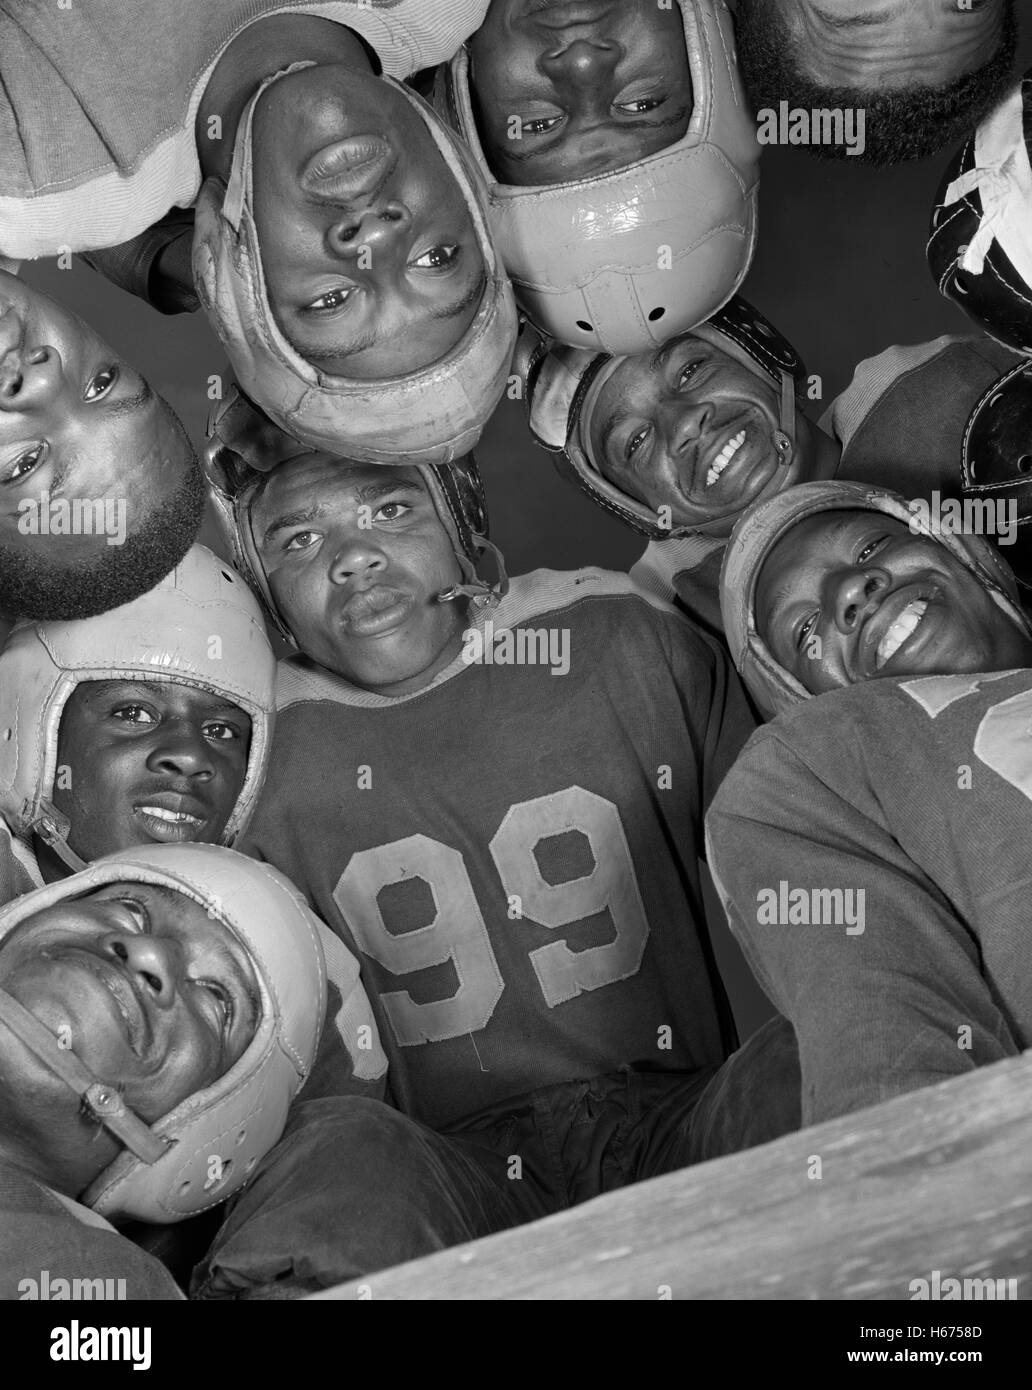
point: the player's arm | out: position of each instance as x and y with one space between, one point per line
718 715
888 998
155 265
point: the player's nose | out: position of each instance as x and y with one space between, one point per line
581 64
182 749
365 236
152 961
356 556
855 592
684 423
29 377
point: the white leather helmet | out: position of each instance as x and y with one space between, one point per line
584 256
166 1172
200 626
433 415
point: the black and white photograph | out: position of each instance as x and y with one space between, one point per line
516 667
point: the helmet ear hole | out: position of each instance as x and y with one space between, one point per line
584 326
221 1176
656 314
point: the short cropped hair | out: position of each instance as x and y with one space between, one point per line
39 586
901 124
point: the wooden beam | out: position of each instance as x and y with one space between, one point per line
940 1179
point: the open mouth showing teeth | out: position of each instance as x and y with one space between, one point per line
904 626
724 457
173 817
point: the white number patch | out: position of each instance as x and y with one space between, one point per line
1003 741
457 932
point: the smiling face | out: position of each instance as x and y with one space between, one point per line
689 428
370 256
565 91
148 762
76 422
355 557
845 596
153 995
882 44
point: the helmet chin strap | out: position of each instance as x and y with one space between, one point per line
479 591
99 1101
784 437
46 821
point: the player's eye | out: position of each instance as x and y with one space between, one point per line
26 461
392 511
332 299
635 442
438 258
539 125
870 549
137 912
223 1001
220 731
640 105
134 714
687 372
806 628
303 540
100 384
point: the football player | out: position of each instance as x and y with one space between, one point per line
149 724
77 422
493 792
159 1012
869 850
621 158
832 584
678 440
340 247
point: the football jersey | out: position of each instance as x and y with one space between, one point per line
871 848
512 852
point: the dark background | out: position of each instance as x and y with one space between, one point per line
840 269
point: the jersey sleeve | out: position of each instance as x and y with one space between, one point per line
139 266
717 712
685 569
853 943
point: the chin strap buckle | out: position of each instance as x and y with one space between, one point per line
46 821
